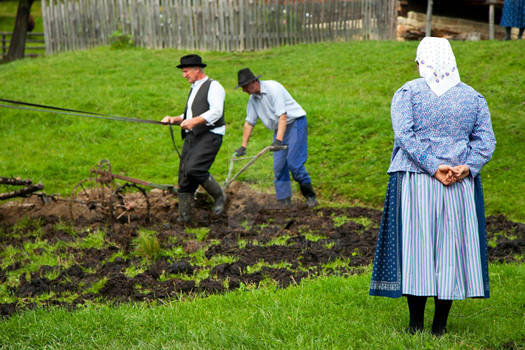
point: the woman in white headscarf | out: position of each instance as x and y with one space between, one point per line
432 238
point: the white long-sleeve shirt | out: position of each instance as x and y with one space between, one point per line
216 96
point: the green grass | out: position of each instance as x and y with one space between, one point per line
346 89
325 313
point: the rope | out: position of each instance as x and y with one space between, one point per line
73 112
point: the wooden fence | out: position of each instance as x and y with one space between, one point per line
34 44
218 25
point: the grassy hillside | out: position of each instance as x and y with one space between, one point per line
346 89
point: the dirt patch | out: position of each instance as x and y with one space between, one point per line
97 257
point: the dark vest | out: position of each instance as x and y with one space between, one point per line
200 105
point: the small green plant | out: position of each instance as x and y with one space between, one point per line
147 245
93 240
199 232
64 227
280 240
133 270
241 243
340 220
222 259
363 221
27 224
313 238
97 286
119 254
119 40
246 225
329 245
337 264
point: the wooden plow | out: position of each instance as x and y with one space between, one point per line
101 193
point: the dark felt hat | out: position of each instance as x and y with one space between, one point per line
191 61
245 76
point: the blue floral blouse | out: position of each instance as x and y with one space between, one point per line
452 129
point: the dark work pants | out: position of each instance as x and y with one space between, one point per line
198 154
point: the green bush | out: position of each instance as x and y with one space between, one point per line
119 40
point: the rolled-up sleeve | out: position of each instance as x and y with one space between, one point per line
403 124
216 96
251 114
279 101
482 141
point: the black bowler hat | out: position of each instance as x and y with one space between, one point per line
245 76
191 61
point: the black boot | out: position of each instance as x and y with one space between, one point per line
309 194
507 33
185 210
214 189
416 308
439 325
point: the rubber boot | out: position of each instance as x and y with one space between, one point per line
214 189
416 308
507 33
309 194
520 33
285 202
439 324
185 210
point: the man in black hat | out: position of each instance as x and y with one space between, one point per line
274 106
202 128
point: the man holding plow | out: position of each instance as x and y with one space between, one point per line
202 128
270 102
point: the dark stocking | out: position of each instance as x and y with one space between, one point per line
520 33
416 307
507 35
439 325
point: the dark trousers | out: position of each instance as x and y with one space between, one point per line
198 154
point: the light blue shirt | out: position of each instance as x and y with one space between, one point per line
270 104
453 129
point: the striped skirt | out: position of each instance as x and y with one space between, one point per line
440 240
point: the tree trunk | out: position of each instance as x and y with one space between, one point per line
18 41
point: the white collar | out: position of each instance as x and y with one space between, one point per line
199 82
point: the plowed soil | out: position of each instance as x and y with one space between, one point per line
255 242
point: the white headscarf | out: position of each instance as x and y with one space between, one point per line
437 64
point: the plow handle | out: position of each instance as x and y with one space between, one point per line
266 149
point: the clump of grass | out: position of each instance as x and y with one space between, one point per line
133 270
340 220
313 238
64 227
95 239
28 225
363 221
200 233
280 240
97 286
222 259
147 245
